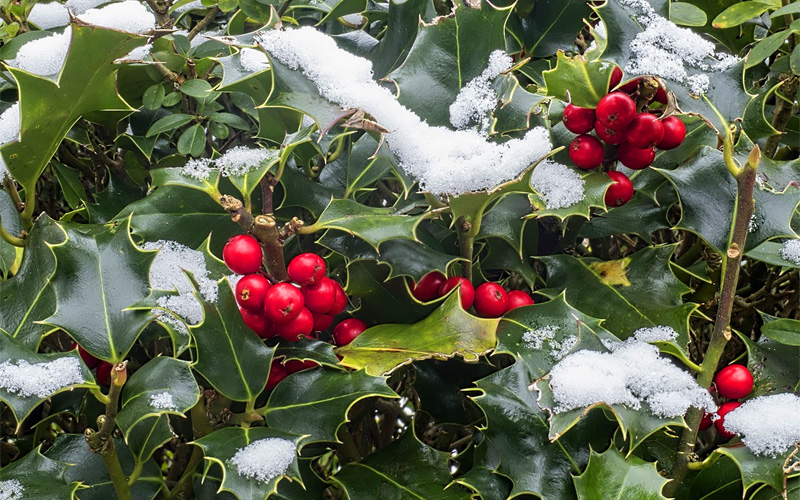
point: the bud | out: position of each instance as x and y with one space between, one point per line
119 374
754 159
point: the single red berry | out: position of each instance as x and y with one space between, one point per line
242 254
518 298
674 133
300 326
616 110
306 269
578 120
734 382
347 331
103 373
610 135
296 365
283 302
706 422
319 297
322 321
277 372
257 322
467 291
645 131
616 77
586 152
90 361
635 158
631 87
661 95
491 301
620 192
723 410
339 300
428 287
250 292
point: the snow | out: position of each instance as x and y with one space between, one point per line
130 16
166 273
535 339
791 251
633 373
666 50
253 60
139 53
163 401
196 4
769 425
233 279
353 19
9 131
78 7
237 161
11 489
44 56
558 185
444 161
49 15
39 379
477 100
265 459
655 334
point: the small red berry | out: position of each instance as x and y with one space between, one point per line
300 326
661 95
518 298
706 422
283 302
339 300
347 331
578 120
322 321
734 382
250 292
428 287
610 135
491 301
586 152
616 110
319 297
277 372
635 158
616 77
723 410
674 133
103 373
257 322
296 365
467 291
242 254
631 87
306 268
620 192
645 131
90 361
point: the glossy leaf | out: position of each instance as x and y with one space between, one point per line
576 80
40 478
611 475
783 330
740 13
686 14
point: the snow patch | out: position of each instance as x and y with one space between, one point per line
265 459
11 489
477 100
39 379
791 251
130 16
78 7
558 185
655 334
769 425
163 401
44 56
139 53
535 339
253 60
237 161
49 15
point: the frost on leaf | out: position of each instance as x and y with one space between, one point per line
237 161
40 379
11 490
264 459
558 185
444 161
791 251
769 425
163 401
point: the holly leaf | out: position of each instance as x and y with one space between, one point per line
770 253
785 331
755 469
612 475
640 216
773 365
551 26
308 349
576 80
401 31
174 176
364 165
37 477
506 220
595 185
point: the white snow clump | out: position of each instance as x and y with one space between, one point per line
769 425
265 459
253 60
11 489
237 161
130 16
49 15
476 100
39 379
44 56
558 185
163 401
791 251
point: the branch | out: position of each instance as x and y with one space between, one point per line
201 25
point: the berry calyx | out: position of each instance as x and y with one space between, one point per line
103 373
674 133
283 302
428 287
491 301
306 269
645 131
706 422
242 254
339 300
322 321
319 297
518 298
466 292
586 152
347 331
723 410
635 158
734 382
578 120
610 135
620 192
250 292
616 110
277 372
258 323
300 326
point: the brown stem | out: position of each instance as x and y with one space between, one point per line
782 113
283 8
161 10
200 26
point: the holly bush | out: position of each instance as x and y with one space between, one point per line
402 142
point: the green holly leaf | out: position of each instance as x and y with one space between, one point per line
773 365
506 220
174 176
770 253
755 469
36 476
308 349
640 216
306 193
611 475
482 481
323 396
406 468
576 80
365 166
595 185
720 481
782 330
401 30
550 26
777 174
755 121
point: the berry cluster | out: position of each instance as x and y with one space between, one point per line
616 122
732 382
490 299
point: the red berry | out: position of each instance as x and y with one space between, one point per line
674 133
586 152
296 365
319 297
242 254
339 300
277 372
89 360
723 410
518 298
630 87
635 158
491 301
306 268
578 120
734 382
610 135
467 291
250 292
258 323
706 422
428 287
616 77
620 192
645 131
103 373
322 321
616 110
347 331
661 95
283 302
300 326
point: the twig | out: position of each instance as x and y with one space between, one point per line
201 25
264 229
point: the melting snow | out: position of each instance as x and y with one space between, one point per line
265 459
39 379
558 185
769 425
791 251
